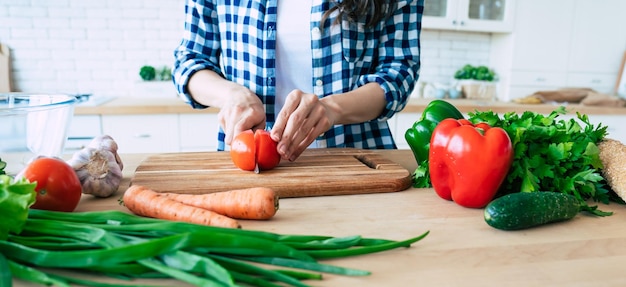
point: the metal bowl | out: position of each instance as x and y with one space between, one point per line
35 123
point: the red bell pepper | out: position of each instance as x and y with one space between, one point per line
468 162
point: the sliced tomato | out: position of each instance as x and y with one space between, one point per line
243 150
58 187
267 156
251 149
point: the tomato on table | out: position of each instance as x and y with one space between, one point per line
251 149
58 187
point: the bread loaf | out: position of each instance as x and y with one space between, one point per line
613 157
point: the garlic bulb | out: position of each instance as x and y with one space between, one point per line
99 167
106 142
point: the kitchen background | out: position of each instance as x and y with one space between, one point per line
98 47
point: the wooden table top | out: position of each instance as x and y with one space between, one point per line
461 249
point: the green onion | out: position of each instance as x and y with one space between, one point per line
126 247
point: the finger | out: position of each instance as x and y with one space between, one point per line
247 123
322 126
292 102
295 131
227 126
298 149
296 114
316 124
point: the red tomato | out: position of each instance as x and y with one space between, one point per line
243 150
267 156
58 187
250 149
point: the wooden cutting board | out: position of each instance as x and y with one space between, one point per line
316 172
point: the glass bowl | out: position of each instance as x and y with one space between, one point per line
35 124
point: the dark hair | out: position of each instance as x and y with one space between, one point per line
370 11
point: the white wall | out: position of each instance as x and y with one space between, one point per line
98 47
86 46
444 52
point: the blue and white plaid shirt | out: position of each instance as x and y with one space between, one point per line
242 36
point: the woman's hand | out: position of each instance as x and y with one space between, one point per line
240 108
301 120
242 111
304 116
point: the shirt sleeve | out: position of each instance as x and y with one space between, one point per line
398 56
199 48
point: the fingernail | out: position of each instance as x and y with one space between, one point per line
282 149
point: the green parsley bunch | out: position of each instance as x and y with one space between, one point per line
552 154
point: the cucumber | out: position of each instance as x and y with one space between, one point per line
529 209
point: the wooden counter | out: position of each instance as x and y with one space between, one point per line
139 105
461 249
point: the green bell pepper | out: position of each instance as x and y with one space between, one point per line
418 136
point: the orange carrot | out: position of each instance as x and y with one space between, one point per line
257 203
146 202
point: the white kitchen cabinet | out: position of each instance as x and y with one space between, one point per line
538 78
153 133
403 122
599 39
601 82
542 35
198 132
83 128
469 15
523 83
534 56
598 43
560 43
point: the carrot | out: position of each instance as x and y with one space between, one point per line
256 203
146 202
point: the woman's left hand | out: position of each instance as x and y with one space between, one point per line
301 120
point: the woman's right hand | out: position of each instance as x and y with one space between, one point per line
242 110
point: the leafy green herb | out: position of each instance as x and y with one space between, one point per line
552 154
16 197
164 74
147 73
480 73
421 175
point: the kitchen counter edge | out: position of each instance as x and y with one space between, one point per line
136 105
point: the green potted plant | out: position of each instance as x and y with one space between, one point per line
476 82
154 82
147 73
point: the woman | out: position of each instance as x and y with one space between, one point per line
317 73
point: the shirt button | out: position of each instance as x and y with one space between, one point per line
315 32
319 83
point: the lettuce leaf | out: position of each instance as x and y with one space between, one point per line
16 197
